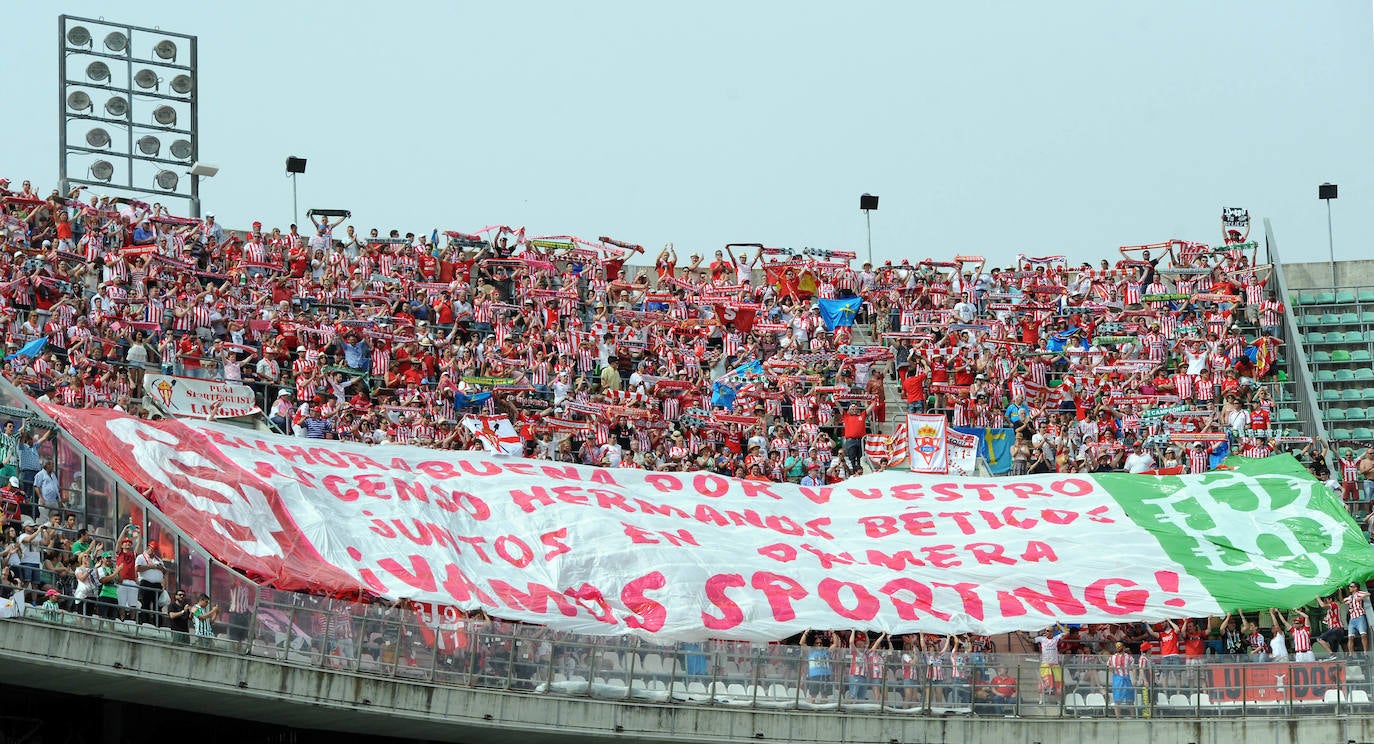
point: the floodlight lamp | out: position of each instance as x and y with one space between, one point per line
165 115
79 36
79 101
182 84
102 170
166 179
98 71
149 145
117 107
116 42
146 78
98 137
165 49
181 149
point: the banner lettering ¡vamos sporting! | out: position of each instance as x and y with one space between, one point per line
682 556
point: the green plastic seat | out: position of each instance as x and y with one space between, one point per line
1345 375
1350 318
1315 337
1361 432
1307 298
1354 413
1307 321
1345 296
1352 394
1361 355
1287 415
1320 356
1326 297
1365 295
1340 433
1334 414
1331 319
1364 373
1330 394
1340 355
1367 393
1326 375
1367 316
1354 337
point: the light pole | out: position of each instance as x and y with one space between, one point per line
868 203
1326 192
294 165
198 171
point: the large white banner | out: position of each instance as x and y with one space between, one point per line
673 555
927 444
196 398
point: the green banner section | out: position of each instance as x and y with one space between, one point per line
1261 534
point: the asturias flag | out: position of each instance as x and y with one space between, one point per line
839 312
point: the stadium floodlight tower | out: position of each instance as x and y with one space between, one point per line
127 110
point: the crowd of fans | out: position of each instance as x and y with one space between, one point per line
1151 362
724 361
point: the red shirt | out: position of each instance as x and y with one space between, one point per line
1168 642
11 501
914 387
1193 644
855 425
124 563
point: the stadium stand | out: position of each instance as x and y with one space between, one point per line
765 363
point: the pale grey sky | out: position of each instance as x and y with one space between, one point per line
986 127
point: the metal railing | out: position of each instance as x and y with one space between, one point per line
1298 369
392 641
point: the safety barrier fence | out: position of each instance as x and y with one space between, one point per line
393 640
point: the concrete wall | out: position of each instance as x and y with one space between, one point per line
1317 274
97 662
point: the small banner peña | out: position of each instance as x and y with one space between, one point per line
196 398
692 555
927 445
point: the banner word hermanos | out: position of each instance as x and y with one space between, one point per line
686 556
188 396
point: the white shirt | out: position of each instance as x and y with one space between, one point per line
1049 648
1139 462
149 569
560 390
1279 646
965 312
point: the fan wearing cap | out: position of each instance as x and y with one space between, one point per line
12 501
152 571
107 578
51 605
211 233
125 561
